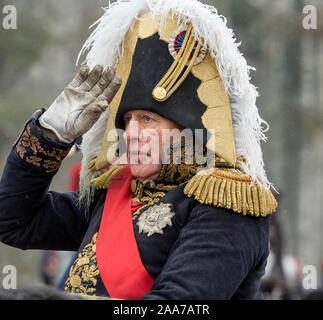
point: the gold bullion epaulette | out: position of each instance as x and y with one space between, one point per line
102 182
230 188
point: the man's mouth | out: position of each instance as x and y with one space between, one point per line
136 157
139 153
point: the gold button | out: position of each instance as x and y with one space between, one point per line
159 93
76 281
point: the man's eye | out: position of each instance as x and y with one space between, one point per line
148 119
127 119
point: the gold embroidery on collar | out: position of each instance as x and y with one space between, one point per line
177 170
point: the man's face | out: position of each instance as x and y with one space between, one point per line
144 135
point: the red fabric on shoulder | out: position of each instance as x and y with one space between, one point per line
119 262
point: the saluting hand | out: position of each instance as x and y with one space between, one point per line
81 103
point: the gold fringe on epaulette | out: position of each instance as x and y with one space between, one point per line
102 182
230 189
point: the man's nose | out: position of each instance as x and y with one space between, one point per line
132 131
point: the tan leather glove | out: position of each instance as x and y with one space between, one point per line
81 103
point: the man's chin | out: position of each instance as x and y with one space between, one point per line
145 171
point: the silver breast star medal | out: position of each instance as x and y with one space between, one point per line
155 219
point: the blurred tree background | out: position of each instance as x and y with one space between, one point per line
38 59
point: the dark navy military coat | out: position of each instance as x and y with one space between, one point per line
206 253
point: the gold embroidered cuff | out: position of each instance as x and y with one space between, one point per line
37 151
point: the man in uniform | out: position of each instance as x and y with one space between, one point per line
187 219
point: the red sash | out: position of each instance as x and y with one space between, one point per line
119 263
